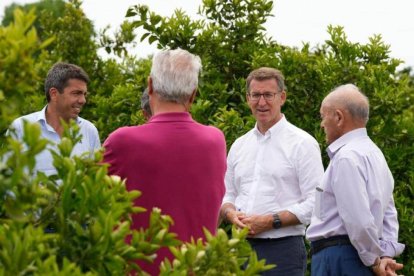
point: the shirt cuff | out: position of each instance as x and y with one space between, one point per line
368 258
227 200
303 217
391 248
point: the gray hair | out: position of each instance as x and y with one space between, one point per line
352 99
145 102
59 75
174 75
266 73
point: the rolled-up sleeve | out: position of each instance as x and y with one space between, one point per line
310 173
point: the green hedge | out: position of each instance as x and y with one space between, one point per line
231 40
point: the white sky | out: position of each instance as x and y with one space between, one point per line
294 21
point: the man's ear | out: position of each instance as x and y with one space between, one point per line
192 98
283 97
53 93
150 88
339 116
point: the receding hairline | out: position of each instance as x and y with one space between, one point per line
348 97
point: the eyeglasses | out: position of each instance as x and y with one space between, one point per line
255 97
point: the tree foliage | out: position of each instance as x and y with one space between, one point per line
19 42
231 41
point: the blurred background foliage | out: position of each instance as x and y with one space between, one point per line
231 40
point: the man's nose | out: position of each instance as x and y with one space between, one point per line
262 100
82 99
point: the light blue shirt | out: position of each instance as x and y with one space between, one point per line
355 199
44 161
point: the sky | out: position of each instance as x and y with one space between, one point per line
294 22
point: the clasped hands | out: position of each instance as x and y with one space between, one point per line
255 223
386 267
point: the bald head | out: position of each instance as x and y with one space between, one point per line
349 98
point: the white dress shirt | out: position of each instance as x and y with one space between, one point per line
355 199
44 160
274 172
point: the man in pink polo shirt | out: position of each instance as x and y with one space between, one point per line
177 163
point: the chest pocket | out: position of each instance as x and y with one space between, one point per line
318 202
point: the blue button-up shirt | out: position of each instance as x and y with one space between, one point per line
44 161
355 199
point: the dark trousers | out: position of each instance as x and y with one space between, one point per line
288 254
339 260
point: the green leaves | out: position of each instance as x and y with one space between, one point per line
218 255
90 211
19 43
87 211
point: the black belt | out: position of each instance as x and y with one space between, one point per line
319 245
266 240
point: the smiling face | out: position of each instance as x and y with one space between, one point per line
69 103
267 113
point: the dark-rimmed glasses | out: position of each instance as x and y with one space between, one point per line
255 97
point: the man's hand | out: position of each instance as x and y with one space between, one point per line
236 217
387 267
258 223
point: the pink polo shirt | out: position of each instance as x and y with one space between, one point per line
178 165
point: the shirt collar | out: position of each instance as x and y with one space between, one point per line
345 139
41 116
274 129
171 117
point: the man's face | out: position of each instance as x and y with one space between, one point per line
329 123
266 111
70 102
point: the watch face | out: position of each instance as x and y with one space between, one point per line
277 223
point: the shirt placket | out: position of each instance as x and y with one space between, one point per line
258 170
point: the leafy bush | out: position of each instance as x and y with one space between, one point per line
87 211
19 43
231 40
219 256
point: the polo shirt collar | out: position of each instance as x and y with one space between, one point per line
171 117
345 139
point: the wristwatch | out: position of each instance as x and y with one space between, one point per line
277 223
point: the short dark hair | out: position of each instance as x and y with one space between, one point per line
266 73
59 75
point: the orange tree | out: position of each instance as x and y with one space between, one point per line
231 40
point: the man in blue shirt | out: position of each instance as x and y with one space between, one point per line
65 89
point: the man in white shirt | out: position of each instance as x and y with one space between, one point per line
354 226
272 172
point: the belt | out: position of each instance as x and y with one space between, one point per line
319 245
266 240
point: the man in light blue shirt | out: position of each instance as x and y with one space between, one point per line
354 226
65 89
